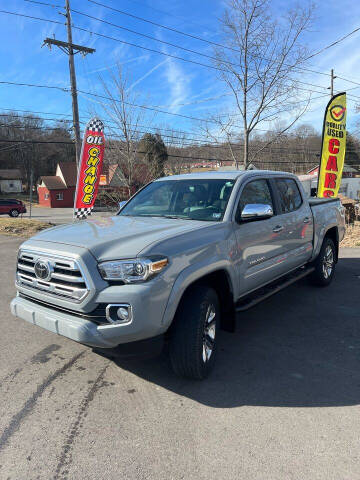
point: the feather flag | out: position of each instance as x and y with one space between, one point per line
333 147
89 170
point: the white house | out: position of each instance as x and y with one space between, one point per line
10 181
350 187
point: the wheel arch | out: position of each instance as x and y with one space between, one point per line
218 279
333 233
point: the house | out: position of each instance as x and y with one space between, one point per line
348 172
232 166
10 181
113 178
350 186
58 190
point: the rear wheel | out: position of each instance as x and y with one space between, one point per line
192 346
325 264
14 213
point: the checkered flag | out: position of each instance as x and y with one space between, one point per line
95 125
83 212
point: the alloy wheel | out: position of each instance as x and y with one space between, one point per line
328 262
209 333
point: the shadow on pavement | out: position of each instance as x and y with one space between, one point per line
299 348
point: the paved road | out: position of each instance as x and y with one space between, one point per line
282 403
58 215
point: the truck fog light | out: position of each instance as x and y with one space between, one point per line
119 313
123 313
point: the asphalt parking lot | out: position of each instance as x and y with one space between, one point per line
282 402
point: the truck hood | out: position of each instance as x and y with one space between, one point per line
117 237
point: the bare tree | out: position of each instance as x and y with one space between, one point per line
125 119
259 66
18 137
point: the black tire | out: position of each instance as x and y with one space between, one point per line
324 264
192 345
14 213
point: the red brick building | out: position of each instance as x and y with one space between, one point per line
58 190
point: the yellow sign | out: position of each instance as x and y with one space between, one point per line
333 147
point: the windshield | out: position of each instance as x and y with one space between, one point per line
186 199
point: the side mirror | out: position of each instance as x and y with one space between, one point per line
256 211
121 204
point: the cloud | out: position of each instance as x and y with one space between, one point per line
121 62
147 74
179 84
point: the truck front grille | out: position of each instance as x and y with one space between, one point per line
55 275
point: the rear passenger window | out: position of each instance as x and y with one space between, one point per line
289 195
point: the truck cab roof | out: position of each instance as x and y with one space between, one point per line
229 175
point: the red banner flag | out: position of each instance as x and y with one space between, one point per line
89 171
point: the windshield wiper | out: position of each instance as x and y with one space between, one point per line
177 217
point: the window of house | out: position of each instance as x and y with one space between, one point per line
60 196
289 194
46 196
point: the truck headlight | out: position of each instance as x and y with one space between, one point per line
133 270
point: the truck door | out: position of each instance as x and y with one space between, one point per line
261 243
295 216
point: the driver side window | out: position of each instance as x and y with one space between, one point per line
255 192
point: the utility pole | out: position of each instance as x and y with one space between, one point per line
31 178
75 106
71 49
331 88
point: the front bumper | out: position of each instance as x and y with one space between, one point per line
75 327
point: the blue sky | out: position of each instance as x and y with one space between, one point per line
171 84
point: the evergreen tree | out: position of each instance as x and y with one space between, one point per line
153 152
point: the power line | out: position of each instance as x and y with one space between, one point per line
108 37
187 20
157 51
175 45
164 26
184 157
178 31
142 47
108 98
30 127
203 39
336 42
45 3
150 37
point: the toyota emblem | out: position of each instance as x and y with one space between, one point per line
42 270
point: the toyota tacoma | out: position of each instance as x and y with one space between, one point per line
179 260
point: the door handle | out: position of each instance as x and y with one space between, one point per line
306 220
278 229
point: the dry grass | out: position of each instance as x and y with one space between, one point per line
22 227
352 236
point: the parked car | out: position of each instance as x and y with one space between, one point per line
12 207
180 259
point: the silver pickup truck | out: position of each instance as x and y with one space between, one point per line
177 262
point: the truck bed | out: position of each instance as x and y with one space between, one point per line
314 201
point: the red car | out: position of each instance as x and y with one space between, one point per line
12 207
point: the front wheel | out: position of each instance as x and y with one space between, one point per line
325 264
192 345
